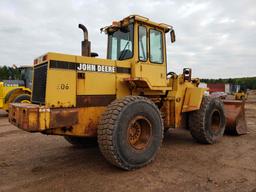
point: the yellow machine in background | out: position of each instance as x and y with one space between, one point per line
241 95
17 91
124 102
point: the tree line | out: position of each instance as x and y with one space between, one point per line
244 82
9 73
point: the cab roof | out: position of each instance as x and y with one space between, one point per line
127 20
25 66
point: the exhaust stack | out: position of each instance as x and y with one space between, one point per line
85 44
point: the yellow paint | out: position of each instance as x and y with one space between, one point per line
193 99
61 57
154 74
61 88
241 95
184 97
92 82
25 101
121 86
33 120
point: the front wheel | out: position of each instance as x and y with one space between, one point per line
207 124
130 132
23 98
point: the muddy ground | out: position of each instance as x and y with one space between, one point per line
35 162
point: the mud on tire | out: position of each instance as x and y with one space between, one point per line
130 132
207 124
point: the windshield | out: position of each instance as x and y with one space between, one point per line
26 76
120 44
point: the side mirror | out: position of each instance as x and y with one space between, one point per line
173 38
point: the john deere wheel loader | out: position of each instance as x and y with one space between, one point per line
17 91
125 101
241 95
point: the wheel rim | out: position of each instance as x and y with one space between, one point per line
139 132
215 121
25 101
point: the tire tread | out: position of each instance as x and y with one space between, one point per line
107 126
197 121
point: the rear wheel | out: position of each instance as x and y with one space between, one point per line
85 142
207 124
23 98
130 132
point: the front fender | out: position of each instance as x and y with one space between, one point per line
193 99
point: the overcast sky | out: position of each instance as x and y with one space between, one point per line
216 38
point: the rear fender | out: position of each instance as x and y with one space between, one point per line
10 96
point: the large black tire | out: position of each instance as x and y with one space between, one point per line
82 142
22 98
207 124
130 132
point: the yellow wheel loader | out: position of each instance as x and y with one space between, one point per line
16 91
241 95
125 102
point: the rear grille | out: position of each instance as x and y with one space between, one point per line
39 83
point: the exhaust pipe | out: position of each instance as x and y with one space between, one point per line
85 44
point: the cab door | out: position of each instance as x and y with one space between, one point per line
151 55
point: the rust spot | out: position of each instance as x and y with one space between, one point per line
91 129
64 117
19 114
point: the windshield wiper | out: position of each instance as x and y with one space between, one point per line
124 51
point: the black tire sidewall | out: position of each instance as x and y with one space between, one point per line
21 98
126 152
214 105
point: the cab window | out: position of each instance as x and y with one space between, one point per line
156 46
120 44
143 43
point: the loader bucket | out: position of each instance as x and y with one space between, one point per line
235 117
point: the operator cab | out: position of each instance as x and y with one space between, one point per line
142 42
26 75
21 76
